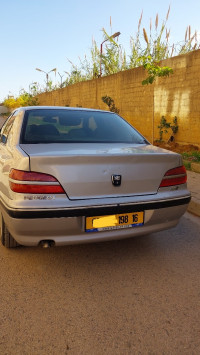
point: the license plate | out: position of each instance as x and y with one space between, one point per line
115 221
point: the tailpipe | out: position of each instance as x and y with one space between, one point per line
47 244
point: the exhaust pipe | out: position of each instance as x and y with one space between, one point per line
46 244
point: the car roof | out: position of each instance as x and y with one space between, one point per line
28 108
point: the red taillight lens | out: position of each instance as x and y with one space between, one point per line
176 176
36 189
34 183
30 176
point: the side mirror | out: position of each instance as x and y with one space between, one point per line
3 139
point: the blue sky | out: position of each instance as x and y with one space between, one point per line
44 33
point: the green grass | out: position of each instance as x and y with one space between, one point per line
187 165
192 156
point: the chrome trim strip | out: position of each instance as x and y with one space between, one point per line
22 182
173 176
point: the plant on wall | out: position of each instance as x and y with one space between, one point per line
110 102
174 127
164 126
157 49
154 70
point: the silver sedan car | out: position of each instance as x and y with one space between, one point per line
70 175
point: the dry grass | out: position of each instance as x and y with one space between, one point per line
145 36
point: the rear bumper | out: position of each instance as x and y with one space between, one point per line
94 211
67 226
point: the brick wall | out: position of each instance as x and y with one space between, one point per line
143 106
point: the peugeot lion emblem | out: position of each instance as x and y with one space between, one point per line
116 179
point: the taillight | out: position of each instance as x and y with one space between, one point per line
29 182
176 176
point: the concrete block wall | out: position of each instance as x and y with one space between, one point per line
143 106
3 109
179 95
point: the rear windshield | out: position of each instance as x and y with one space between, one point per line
73 126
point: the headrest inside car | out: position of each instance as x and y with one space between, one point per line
69 121
49 119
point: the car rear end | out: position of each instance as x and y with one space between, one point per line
86 189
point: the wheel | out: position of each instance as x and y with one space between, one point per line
6 238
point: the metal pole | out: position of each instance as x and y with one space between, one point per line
101 50
47 77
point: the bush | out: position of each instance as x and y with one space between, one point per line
22 100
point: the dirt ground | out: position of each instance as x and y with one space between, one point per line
179 148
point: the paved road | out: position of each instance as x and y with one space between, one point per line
137 296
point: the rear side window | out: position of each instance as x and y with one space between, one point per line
73 126
6 128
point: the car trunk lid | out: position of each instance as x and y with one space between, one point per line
86 171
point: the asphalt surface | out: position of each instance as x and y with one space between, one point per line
136 296
193 183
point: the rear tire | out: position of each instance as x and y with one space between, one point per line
6 238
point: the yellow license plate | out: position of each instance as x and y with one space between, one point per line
115 221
